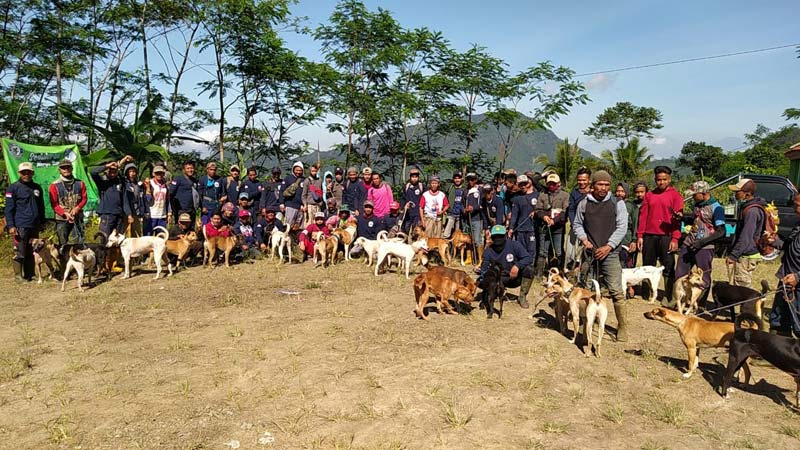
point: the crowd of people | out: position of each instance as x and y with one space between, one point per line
526 222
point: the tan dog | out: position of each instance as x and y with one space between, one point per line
180 247
45 253
212 244
325 247
578 302
461 244
696 333
346 236
688 290
442 246
443 283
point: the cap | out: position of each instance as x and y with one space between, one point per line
235 167
269 209
65 163
298 164
319 215
394 205
338 171
211 164
184 217
344 208
244 195
487 187
744 185
509 172
352 170
244 213
366 171
413 171
471 176
497 229
700 187
601 175
276 169
25 166
553 178
434 178
332 221
547 173
457 175
130 166
369 203
522 179
158 169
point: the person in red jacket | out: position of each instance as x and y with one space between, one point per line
660 227
67 198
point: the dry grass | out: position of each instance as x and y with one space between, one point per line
212 356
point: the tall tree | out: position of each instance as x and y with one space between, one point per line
629 161
625 121
703 159
568 159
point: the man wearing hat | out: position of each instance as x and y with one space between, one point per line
492 208
551 211
522 225
67 199
244 231
212 192
410 198
156 194
390 221
698 245
432 207
244 204
601 221
135 190
291 197
456 196
366 175
183 193
24 219
369 225
750 220
115 209
182 226
515 261
232 183
307 236
270 196
354 194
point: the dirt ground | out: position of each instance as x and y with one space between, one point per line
219 358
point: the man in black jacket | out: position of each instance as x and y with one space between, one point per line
114 208
184 194
782 320
744 254
24 219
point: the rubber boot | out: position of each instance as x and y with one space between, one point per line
621 311
524 288
480 255
668 301
538 268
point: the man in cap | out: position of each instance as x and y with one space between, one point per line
244 204
114 208
264 227
270 196
232 183
432 207
475 215
456 195
369 225
313 200
660 228
750 221
492 208
156 193
515 261
390 221
183 226
698 245
366 175
212 192
601 221
582 187
307 236
24 219
551 211
246 233
183 193
67 198
522 225
354 194
292 197
252 186
410 198
135 190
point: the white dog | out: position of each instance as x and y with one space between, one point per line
635 276
83 261
141 246
370 248
278 241
401 250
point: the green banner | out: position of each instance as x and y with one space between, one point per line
45 161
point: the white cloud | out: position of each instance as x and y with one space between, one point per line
601 82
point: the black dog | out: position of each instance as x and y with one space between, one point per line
780 351
492 288
726 294
105 257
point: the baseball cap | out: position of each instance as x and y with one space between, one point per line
65 163
522 179
434 178
269 209
344 208
413 171
25 166
487 187
369 203
319 215
498 229
244 195
184 217
457 175
235 167
472 176
553 178
338 171
509 172
244 213
276 169
366 171
700 187
744 185
394 205
158 169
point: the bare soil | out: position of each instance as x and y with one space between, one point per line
215 358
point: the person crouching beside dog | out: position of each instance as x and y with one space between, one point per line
601 221
248 247
781 319
24 219
516 262
264 227
67 199
698 246
306 237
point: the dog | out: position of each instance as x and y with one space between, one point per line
224 243
346 236
492 289
140 246
636 275
460 243
181 247
325 247
781 351
443 283
695 333
440 245
45 253
105 256
370 248
689 289
401 250
82 261
278 241
578 302
752 301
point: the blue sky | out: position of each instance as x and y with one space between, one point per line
716 101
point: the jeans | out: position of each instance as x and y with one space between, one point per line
453 223
551 245
780 317
66 229
151 224
609 271
410 221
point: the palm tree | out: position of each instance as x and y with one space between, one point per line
567 159
627 162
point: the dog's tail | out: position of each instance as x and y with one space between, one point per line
101 237
747 321
383 235
764 287
597 295
164 234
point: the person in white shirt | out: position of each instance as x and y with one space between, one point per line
157 197
432 207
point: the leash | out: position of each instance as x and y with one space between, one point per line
764 295
790 300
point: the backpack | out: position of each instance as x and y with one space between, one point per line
292 188
768 232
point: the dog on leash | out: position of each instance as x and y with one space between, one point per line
45 254
443 283
141 246
492 289
401 250
181 247
689 289
695 333
578 302
783 352
636 275
280 240
751 301
82 261
441 246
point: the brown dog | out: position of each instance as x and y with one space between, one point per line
443 283
461 244
688 290
181 247
577 302
442 246
212 244
45 253
696 333
326 247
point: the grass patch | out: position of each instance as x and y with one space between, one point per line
554 428
613 413
670 412
14 364
790 430
456 414
652 445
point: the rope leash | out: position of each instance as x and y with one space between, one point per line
790 299
764 295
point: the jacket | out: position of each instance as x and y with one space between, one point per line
354 195
549 201
211 192
113 197
621 224
183 194
295 201
655 215
575 197
312 187
749 227
24 205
